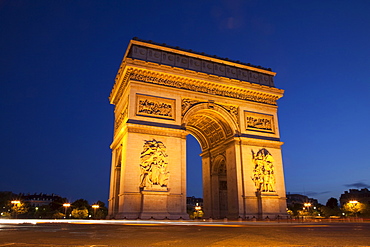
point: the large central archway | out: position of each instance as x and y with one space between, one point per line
161 95
212 126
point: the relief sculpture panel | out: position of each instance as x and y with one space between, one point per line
153 165
259 122
152 106
263 172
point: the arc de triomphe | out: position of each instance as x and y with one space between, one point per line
161 94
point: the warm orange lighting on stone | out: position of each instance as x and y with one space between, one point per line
161 95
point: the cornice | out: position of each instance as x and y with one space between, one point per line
154 130
160 75
134 63
260 142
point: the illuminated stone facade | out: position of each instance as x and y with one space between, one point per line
162 94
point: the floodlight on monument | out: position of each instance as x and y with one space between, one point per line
16 202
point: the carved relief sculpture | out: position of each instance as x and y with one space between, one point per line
155 106
153 165
263 172
259 122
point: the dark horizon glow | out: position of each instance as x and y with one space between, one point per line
58 61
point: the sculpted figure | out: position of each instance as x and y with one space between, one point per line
263 172
153 164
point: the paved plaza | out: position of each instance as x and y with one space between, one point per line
183 233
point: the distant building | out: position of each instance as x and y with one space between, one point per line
37 200
293 199
362 196
192 201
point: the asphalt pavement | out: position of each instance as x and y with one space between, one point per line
182 233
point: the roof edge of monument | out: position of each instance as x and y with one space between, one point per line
202 54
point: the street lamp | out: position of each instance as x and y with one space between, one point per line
307 206
66 205
353 204
197 209
95 207
16 204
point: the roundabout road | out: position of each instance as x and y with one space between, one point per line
182 233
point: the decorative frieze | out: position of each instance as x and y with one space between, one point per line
202 86
259 122
254 75
151 106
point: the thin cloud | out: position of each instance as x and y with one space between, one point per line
311 193
314 193
358 185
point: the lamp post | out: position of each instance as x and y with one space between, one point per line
197 209
95 207
353 204
16 203
307 205
66 205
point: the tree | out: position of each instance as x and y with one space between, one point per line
57 204
295 209
332 203
331 208
58 215
80 213
101 212
354 208
80 204
19 208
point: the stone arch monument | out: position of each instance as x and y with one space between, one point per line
161 94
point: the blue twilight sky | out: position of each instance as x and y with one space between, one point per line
58 61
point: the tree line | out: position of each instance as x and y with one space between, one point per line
15 206
331 208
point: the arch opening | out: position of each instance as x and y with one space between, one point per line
194 168
214 134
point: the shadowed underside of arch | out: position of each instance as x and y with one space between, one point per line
209 129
